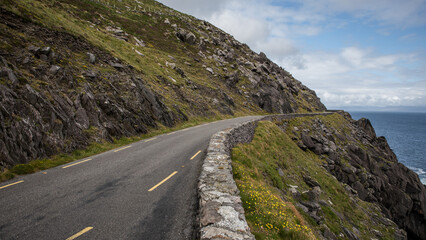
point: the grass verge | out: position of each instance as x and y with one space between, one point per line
269 215
96 148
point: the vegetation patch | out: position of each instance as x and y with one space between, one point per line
270 173
96 148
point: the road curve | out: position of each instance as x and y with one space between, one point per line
146 190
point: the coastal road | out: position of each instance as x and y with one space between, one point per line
145 190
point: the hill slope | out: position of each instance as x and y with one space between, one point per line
344 180
78 71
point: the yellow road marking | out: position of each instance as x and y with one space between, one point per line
171 133
80 233
11 184
167 178
67 166
122 148
150 139
195 155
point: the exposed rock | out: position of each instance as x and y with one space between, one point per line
303 207
180 72
280 172
371 172
350 235
118 33
307 141
310 182
82 119
92 58
186 36
45 51
139 42
327 234
90 74
171 65
49 118
210 70
116 65
7 72
54 69
366 125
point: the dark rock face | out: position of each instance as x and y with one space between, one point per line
58 92
277 94
372 171
39 120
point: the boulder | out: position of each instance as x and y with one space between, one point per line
210 70
7 72
186 36
54 69
365 124
310 182
92 58
116 65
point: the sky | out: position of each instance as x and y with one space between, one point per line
356 55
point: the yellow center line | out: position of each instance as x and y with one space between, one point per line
122 148
195 155
80 233
167 178
67 166
11 184
150 139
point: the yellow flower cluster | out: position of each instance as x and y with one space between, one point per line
266 211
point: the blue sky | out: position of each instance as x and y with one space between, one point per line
355 54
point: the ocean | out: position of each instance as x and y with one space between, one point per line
406 135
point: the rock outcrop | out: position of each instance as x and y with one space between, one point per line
46 109
357 157
61 89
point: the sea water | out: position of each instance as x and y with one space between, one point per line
406 135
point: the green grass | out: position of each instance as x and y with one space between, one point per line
270 207
78 16
96 148
270 216
75 17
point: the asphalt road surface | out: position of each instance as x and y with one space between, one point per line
146 190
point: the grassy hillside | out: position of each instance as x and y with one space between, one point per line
90 19
79 72
287 194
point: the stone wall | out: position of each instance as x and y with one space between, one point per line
221 211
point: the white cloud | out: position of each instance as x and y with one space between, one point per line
243 27
357 76
393 95
199 8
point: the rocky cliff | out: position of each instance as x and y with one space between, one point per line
353 153
78 71
74 72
